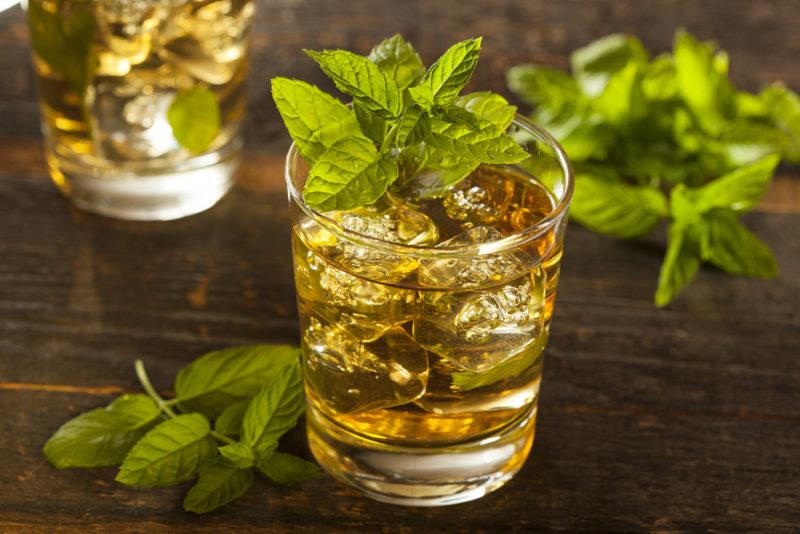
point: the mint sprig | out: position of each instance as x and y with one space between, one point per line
253 392
666 138
407 130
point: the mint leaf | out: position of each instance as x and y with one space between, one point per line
349 174
219 483
622 99
469 380
371 125
63 40
274 410
487 144
596 63
734 249
229 421
680 264
452 71
103 436
490 106
441 170
412 126
288 469
543 86
739 190
194 118
239 454
744 142
783 107
617 209
703 82
659 80
218 379
398 60
422 95
315 119
362 79
170 453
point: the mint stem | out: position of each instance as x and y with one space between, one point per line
222 437
144 380
390 137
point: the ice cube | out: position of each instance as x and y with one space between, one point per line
362 308
128 28
397 223
480 199
350 376
209 42
129 116
472 325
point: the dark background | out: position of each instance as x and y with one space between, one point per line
686 418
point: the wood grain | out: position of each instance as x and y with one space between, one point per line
683 419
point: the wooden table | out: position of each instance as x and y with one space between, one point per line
686 418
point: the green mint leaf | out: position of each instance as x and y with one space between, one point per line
744 142
488 144
703 82
422 96
441 171
659 80
194 118
63 40
398 60
170 453
219 483
750 106
102 437
595 64
218 379
734 249
617 209
739 190
315 119
622 99
458 115
543 86
412 126
274 410
362 79
783 107
239 454
371 125
469 380
288 469
490 106
229 421
680 264
349 174
452 71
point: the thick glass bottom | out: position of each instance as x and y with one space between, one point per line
421 476
147 194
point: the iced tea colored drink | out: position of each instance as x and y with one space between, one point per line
141 100
424 314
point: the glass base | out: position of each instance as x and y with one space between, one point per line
421 476
147 194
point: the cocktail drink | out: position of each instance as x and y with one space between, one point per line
423 332
141 100
424 314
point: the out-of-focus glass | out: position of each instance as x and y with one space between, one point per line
423 325
108 72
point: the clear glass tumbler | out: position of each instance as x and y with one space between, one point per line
141 100
422 362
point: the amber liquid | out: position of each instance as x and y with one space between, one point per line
410 351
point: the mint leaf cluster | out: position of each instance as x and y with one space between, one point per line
252 394
666 138
407 128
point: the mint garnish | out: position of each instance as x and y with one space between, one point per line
407 128
194 117
253 392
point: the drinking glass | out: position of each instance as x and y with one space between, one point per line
423 362
116 76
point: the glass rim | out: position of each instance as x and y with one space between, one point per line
509 242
